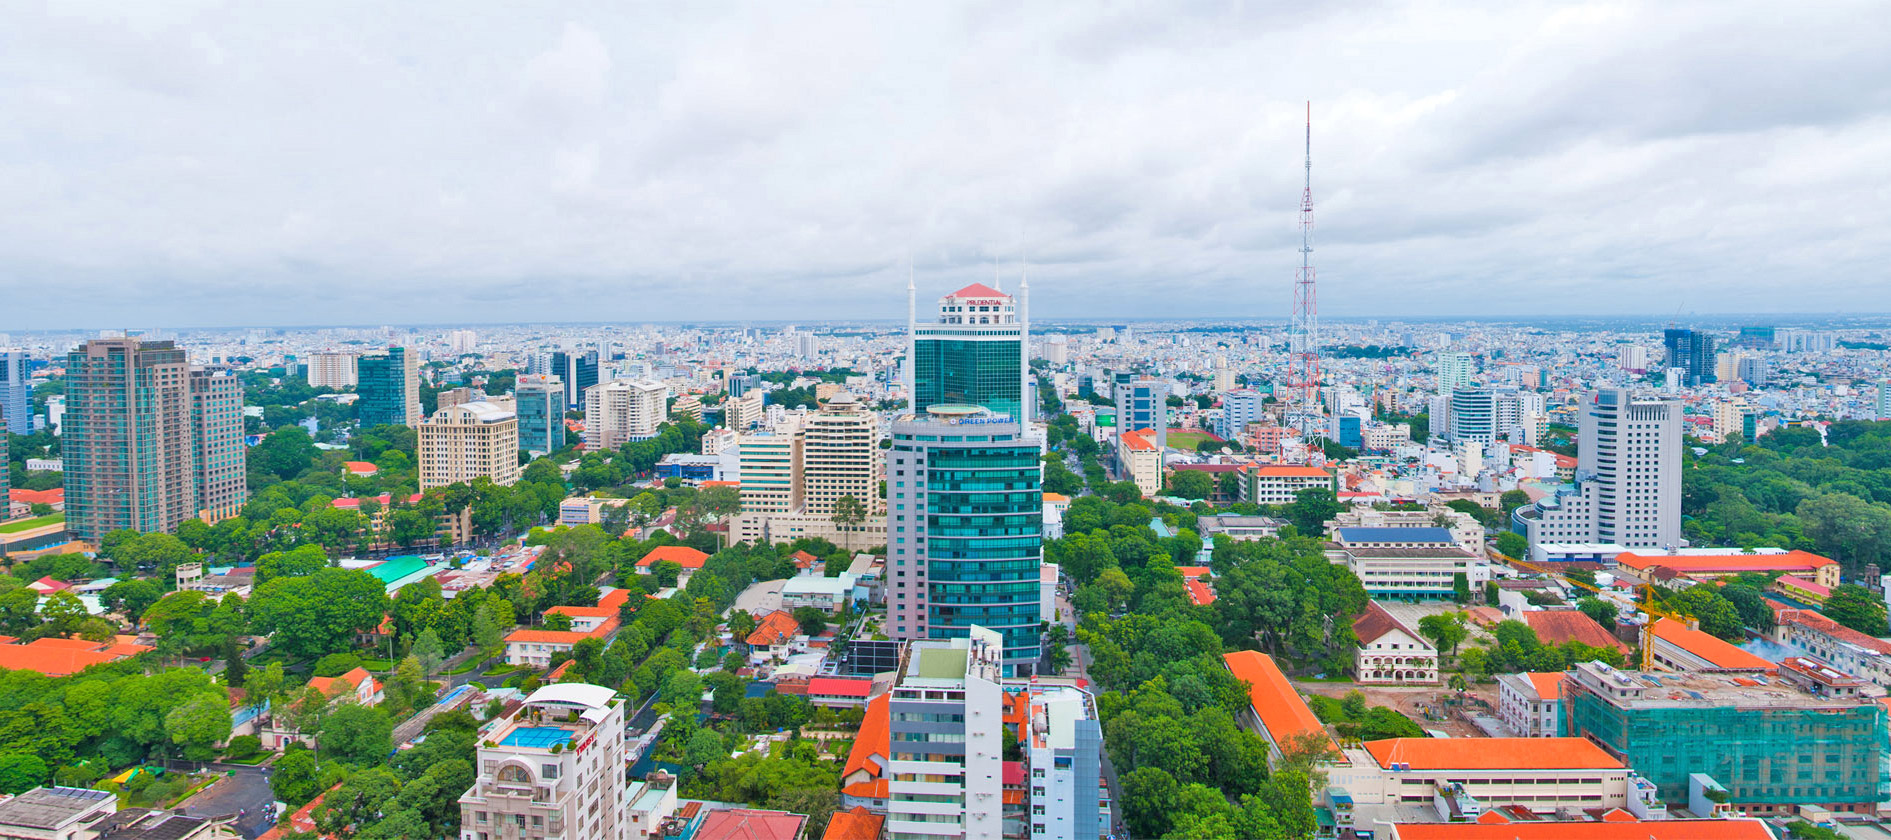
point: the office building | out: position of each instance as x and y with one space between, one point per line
1455 370
1142 403
1690 352
579 371
389 387
771 464
16 392
621 411
129 452
333 370
471 440
1057 349
965 523
1628 478
222 477
974 354
946 733
1276 484
1805 738
539 400
554 768
1883 402
1238 409
840 446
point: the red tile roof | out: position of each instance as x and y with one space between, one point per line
1726 563
62 657
1199 593
979 290
1290 471
55 496
1376 622
874 738
1275 702
1137 440
360 467
1491 754
1817 621
1549 684
681 555
1706 646
346 683
1554 627
1194 571
750 824
856 823
775 628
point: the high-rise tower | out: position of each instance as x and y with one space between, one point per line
973 355
1303 334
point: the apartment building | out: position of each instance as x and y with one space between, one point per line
771 468
621 411
333 370
1276 484
471 440
148 441
222 479
1063 753
1139 458
1628 478
554 769
946 762
840 448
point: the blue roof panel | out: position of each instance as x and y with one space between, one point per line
1402 535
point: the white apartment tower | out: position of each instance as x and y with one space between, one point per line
332 370
621 411
1455 370
1064 751
471 440
1628 477
946 731
554 770
840 445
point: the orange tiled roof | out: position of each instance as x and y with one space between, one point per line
1706 646
1198 593
775 628
856 823
872 789
1725 563
1740 829
55 496
1491 754
681 555
1554 627
1137 440
1548 684
1194 571
1376 622
58 658
1276 703
556 637
332 686
874 738
1290 471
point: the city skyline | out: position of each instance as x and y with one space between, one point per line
1534 159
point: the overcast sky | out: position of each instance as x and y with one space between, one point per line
186 163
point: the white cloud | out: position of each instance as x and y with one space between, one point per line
209 163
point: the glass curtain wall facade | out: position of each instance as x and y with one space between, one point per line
970 367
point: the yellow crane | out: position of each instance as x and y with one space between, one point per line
1646 604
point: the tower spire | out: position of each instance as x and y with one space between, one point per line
1303 366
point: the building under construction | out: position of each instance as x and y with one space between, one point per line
1805 736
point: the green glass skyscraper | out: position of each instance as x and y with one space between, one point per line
389 386
973 355
965 530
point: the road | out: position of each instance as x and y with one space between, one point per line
243 790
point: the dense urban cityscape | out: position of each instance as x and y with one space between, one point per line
945 421
968 576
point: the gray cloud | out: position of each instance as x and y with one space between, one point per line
210 163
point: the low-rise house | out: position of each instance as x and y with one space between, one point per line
752 824
1391 653
773 636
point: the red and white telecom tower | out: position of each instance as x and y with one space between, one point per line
1304 411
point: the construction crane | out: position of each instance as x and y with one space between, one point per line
1646 604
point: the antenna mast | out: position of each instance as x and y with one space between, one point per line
1303 365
